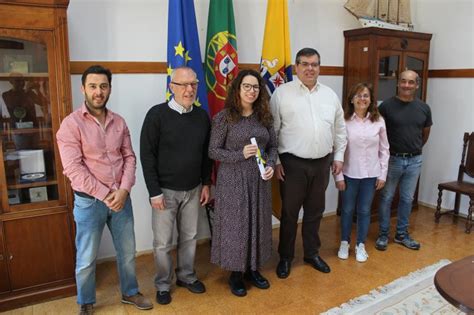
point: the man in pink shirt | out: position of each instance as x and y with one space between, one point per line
97 157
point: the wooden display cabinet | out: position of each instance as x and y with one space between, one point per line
36 225
377 56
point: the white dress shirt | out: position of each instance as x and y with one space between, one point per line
178 107
308 124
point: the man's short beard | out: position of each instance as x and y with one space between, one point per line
88 104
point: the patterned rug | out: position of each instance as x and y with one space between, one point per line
412 294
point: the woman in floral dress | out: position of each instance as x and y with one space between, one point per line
242 232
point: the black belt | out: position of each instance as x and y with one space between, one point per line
405 155
303 159
83 195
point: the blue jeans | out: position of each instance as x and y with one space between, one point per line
403 172
90 216
358 195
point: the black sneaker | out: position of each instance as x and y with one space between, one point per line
195 287
382 242
407 241
86 309
163 297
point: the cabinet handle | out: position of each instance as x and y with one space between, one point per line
1 257
11 257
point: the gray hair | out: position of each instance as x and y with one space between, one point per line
186 68
417 78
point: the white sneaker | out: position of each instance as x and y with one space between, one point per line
361 254
343 252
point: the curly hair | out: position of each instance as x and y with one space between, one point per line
261 107
349 106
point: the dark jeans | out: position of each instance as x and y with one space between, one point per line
358 196
305 185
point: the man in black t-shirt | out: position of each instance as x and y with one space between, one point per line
173 150
408 122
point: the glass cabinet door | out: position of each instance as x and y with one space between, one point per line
27 139
387 74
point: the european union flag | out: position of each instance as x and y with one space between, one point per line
183 46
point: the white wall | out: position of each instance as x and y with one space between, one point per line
451 100
136 30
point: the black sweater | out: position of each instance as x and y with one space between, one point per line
173 149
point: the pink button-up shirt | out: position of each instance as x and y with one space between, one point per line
97 159
367 150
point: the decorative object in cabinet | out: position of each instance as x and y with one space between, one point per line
36 225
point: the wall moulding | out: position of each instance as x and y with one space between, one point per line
147 67
451 73
127 67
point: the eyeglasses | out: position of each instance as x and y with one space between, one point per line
185 85
247 87
362 96
305 64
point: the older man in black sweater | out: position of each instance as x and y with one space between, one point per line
173 150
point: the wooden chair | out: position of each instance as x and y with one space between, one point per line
460 186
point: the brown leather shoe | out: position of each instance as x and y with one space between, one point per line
138 300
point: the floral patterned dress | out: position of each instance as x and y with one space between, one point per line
242 231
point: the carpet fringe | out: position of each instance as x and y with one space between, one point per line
359 304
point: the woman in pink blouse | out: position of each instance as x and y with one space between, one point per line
365 166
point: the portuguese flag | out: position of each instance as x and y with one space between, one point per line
221 53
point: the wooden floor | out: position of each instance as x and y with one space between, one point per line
306 291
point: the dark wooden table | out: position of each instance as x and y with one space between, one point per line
455 282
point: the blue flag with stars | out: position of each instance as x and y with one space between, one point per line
183 46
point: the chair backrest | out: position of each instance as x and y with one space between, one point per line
467 160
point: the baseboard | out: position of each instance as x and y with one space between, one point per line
325 214
30 296
199 241
433 207
428 205
274 226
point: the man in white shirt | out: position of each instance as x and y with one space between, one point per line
309 123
